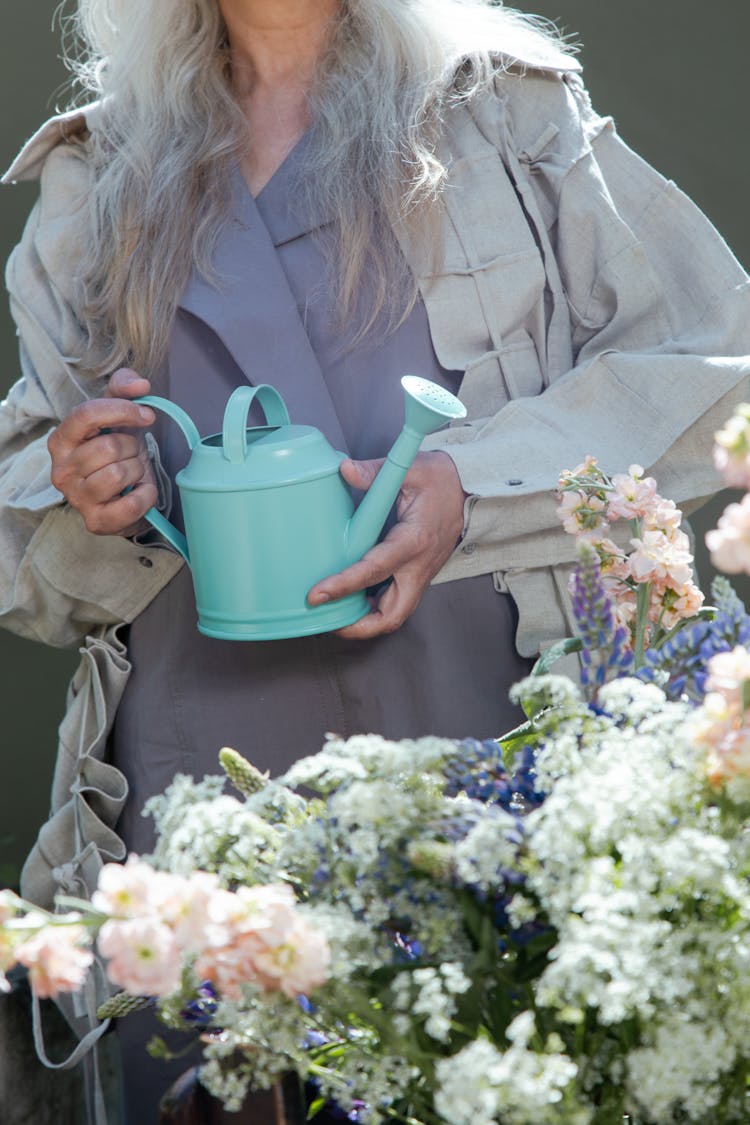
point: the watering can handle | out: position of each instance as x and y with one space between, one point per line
188 427
235 417
176 413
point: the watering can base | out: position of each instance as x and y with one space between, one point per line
283 626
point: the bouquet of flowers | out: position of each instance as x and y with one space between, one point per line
550 927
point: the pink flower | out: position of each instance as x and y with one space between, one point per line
734 469
57 957
729 542
722 723
728 673
664 515
729 757
668 606
143 956
299 964
588 469
634 495
293 956
658 557
583 498
625 609
581 513
721 729
271 910
614 562
257 936
184 907
127 890
732 449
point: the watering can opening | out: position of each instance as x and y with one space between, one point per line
252 434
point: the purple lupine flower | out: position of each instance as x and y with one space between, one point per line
200 1011
680 665
606 653
406 948
478 770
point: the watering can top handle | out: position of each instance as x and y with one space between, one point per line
235 417
176 413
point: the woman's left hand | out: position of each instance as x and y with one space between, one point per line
430 521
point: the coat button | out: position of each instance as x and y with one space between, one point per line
514 482
145 561
469 548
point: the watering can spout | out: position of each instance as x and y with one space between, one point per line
428 407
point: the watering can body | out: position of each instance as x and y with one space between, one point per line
267 515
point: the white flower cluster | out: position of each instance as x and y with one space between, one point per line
267 1032
682 1068
366 755
647 894
430 993
199 827
630 874
489 849
376 1074
520 1086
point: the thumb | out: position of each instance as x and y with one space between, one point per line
126 383
360 474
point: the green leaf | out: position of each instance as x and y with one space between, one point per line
525 734
705 613
518 734
554 653
315 1107
157 1048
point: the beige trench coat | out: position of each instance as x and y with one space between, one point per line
593 308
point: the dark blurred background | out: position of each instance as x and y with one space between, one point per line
671 72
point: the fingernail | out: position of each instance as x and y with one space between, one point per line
146 414
322 597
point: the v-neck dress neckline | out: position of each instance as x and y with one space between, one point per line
291 160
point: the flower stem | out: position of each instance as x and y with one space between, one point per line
643 601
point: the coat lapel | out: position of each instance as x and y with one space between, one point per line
253 312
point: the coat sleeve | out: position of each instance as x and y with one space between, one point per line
58 582
659 322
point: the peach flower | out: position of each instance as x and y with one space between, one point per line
580 513
634 495
730 757
125 890
732 449
257 936
728 675
658 557
729 542
57 957
143 956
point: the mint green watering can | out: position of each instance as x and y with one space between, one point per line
267 513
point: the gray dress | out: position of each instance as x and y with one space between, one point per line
446 671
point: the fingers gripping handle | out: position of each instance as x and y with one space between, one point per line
176 413
186 424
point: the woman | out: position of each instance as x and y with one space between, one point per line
324 194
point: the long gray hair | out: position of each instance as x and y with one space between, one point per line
172 129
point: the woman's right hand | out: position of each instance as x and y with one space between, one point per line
99 451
